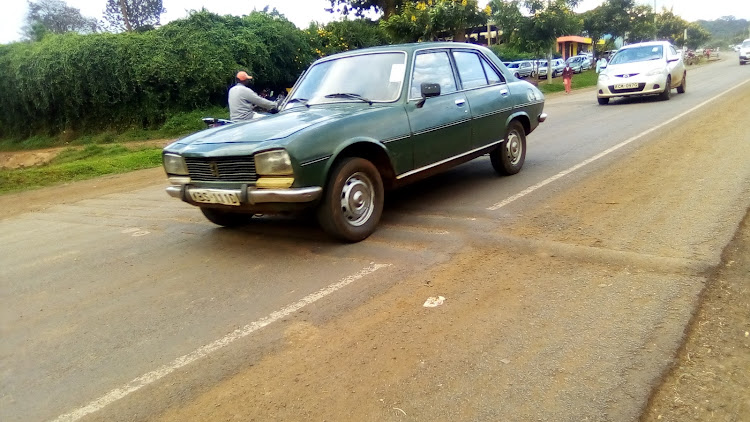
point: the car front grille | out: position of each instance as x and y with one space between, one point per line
620 91
222 169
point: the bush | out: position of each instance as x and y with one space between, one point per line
97 82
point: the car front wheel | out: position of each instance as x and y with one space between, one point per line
603 101
509 156
683 84
353 200
667 90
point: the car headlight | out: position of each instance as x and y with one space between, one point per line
656 71
273 163
175 164
603 77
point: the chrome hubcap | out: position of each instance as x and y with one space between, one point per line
514 148
357 198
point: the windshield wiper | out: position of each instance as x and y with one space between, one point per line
299 100
349 95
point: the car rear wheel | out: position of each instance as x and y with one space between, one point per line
509 156
603 101
683 84
353 200
226 218
667 90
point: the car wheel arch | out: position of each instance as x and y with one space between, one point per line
368 149
522 118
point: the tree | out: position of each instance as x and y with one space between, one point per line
507 17
550 19
55 16
596 25
696 36
359 7
642 27
670 27
410 25
454 16
130 15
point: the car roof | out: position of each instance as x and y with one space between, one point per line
645 44
408 48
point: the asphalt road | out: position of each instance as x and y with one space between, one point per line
130 306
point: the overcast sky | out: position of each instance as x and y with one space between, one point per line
302 12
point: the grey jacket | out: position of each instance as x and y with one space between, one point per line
243 100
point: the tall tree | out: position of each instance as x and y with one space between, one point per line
359 7
455 16
131 15
54 16
596 25
507 17
670 27
642 26
550 19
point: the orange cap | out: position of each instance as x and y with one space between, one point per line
243 76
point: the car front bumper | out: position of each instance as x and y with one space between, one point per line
645 85
249 196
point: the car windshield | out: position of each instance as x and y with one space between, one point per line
513 65
746 44
339 80
638 54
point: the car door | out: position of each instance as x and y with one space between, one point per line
488 96
675 66
441 126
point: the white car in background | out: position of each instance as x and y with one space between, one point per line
649 68
745 51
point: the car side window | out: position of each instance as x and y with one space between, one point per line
470 69
432 67
672 51
492 76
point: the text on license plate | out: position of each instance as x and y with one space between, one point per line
627 85
214 196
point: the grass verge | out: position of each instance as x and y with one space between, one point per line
76 164
582 80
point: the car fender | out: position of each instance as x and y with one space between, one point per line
522 117
365 147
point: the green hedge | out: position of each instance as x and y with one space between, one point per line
102 81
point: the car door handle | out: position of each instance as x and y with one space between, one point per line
460 102
504 92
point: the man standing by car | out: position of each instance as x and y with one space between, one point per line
242 100
600 63
567 76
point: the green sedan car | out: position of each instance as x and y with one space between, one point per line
355 125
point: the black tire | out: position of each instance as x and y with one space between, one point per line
509 156
226 218
667 90
603 101
683 85
352 201
517 75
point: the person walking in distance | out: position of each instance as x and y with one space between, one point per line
243 100
567 77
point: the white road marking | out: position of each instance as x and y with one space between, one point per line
237 334
604 153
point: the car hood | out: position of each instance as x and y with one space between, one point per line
634 68
266 128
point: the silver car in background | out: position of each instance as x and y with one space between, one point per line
649 68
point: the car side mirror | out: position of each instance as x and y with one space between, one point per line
428 90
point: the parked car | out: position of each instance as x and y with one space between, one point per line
557 68
576 63
345 135
522 68
745 51
649 68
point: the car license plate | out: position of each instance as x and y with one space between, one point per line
214 196
628 85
